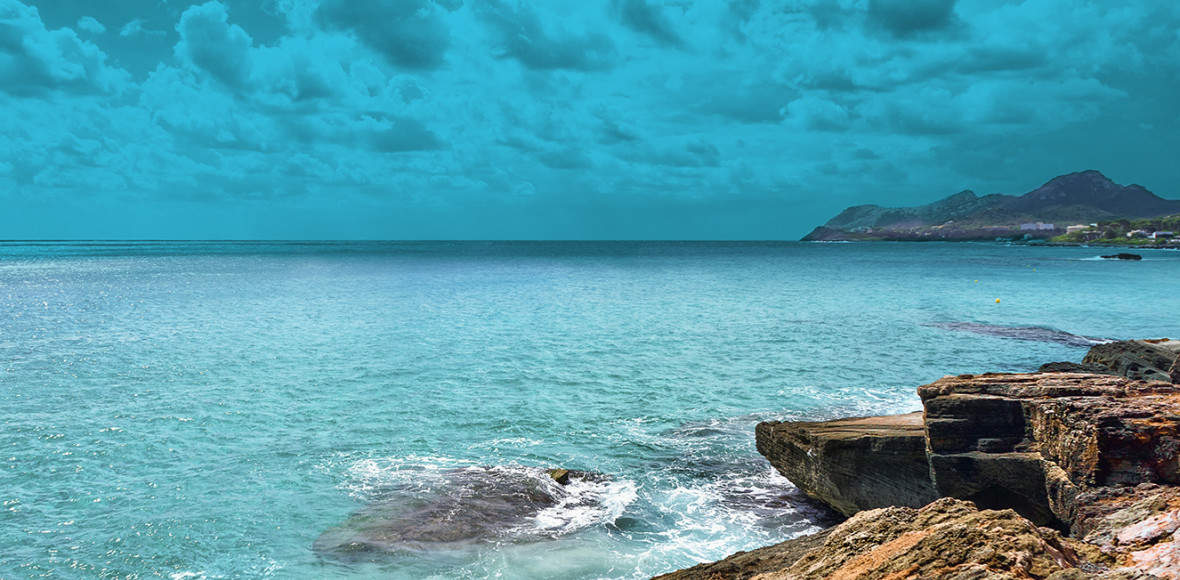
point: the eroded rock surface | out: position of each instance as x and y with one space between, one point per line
1033 442
1094 456
853 464
1151 360
947 539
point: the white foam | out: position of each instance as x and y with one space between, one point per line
584 504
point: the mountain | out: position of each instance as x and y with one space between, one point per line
1082 197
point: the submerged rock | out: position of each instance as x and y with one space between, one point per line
853 464
1029 333
474 504
1122 256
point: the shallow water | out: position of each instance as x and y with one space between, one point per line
208 410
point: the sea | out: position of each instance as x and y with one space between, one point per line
348 410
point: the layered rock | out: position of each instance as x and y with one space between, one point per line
1096 456
1033 442
853 464
947 539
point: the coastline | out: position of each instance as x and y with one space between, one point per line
1072 472
1032 243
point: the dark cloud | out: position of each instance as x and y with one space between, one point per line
612 131
397 135
647 19
520 35
756 103
34 60
740 12
408 33
566 158
909 17
212 44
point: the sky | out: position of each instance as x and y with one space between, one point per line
519 119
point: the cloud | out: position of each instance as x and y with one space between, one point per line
91 25
647 19
818 114
520 35
34 60
411 34
909 17
209 42
388 134
135 28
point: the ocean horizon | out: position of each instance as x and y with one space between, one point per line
229 409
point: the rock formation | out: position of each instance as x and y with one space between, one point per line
1094 455
1151 360
853 464
947 539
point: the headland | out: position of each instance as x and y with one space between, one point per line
1078 208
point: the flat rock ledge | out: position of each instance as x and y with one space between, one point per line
1056 475
853 464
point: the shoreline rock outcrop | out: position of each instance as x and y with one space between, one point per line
1069 475
1148 360
853 464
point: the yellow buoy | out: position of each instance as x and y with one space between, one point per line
997 300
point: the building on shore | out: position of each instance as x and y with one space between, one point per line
1036 226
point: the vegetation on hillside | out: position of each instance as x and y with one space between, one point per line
1115 232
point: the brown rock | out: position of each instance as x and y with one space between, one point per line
947 539
561 476
744 565
853 464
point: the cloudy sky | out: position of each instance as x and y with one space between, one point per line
524 119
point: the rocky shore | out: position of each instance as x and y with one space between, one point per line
1068 473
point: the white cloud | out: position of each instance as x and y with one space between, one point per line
91 25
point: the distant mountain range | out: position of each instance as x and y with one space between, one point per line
1083 197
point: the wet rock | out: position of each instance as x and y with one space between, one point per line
561 476
465 505
853 464
946 539
1122 256
746 565
1149 360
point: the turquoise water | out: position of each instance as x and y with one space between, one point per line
208 410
